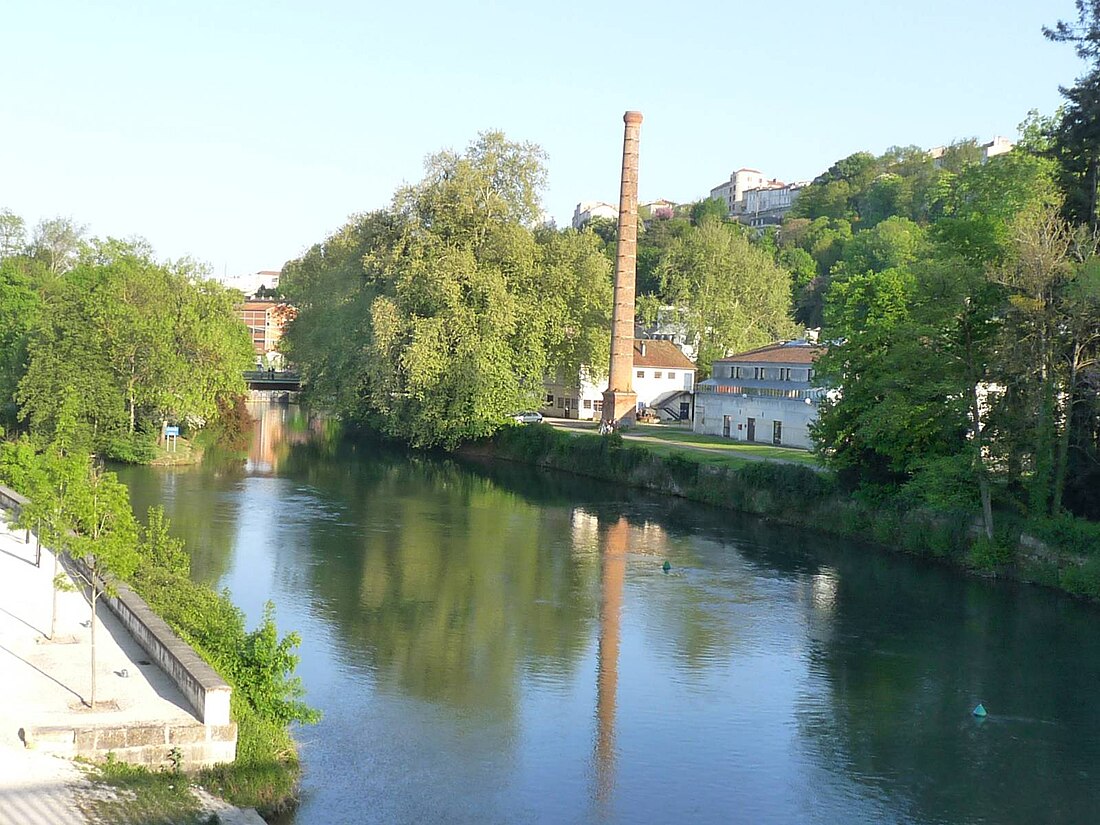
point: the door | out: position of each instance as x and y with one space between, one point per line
685 410
777 432
725 426
752 429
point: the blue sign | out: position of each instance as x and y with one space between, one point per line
172 431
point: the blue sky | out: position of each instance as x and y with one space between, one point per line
240 133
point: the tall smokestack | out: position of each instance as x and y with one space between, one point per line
619 401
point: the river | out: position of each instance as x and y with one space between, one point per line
498 644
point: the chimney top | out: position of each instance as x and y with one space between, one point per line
643 347
632 117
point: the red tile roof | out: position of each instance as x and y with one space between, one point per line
660 354
777 354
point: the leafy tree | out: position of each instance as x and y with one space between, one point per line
729 294
1076 136
105 544
708 209
20 306
57 242
13 230
137 341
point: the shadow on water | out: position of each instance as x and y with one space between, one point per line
489 623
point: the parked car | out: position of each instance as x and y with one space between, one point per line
529 417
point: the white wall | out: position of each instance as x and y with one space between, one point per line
648 388
795 417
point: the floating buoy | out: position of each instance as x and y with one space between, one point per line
666 566
979 711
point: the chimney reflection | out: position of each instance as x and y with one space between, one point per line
615 545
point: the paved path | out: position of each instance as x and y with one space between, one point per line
47 683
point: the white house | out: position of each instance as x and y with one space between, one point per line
766 205
664 380
767 395
732 191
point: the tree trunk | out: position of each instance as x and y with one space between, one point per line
1061 458
979 462
53 611
95 598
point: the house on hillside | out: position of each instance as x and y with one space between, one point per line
664 381
767 395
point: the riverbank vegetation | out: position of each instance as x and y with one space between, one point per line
1061 553
132 342
79 508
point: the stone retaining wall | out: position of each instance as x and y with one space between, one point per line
154 744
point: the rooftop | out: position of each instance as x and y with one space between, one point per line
784 352
660 354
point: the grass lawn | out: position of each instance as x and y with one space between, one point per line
713 442
665 450
128 795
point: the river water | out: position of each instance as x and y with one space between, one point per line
497 644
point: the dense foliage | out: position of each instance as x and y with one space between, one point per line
130 342
438 317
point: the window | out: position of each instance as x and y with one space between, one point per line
641 373
549 398
672 375
756 373
597 406
560 402
657 374
735 372
587 404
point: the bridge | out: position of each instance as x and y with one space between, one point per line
276 380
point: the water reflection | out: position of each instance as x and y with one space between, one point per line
616 545
492 643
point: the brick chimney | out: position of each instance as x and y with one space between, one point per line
619 401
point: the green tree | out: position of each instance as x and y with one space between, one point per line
729 294
13 233
57 242
138 341
1076 137
105 544
708 209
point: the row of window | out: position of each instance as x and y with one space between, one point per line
767 374
758 391
566 403
656 374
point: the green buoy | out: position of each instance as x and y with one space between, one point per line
979 711
666 566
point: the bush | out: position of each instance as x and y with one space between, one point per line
1067 533
134 448
989 554
1083 580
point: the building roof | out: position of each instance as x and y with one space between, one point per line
784 352
258 305
660 354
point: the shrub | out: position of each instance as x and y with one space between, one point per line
1083 580
134 448
1067 533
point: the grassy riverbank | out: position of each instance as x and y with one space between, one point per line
1060 553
